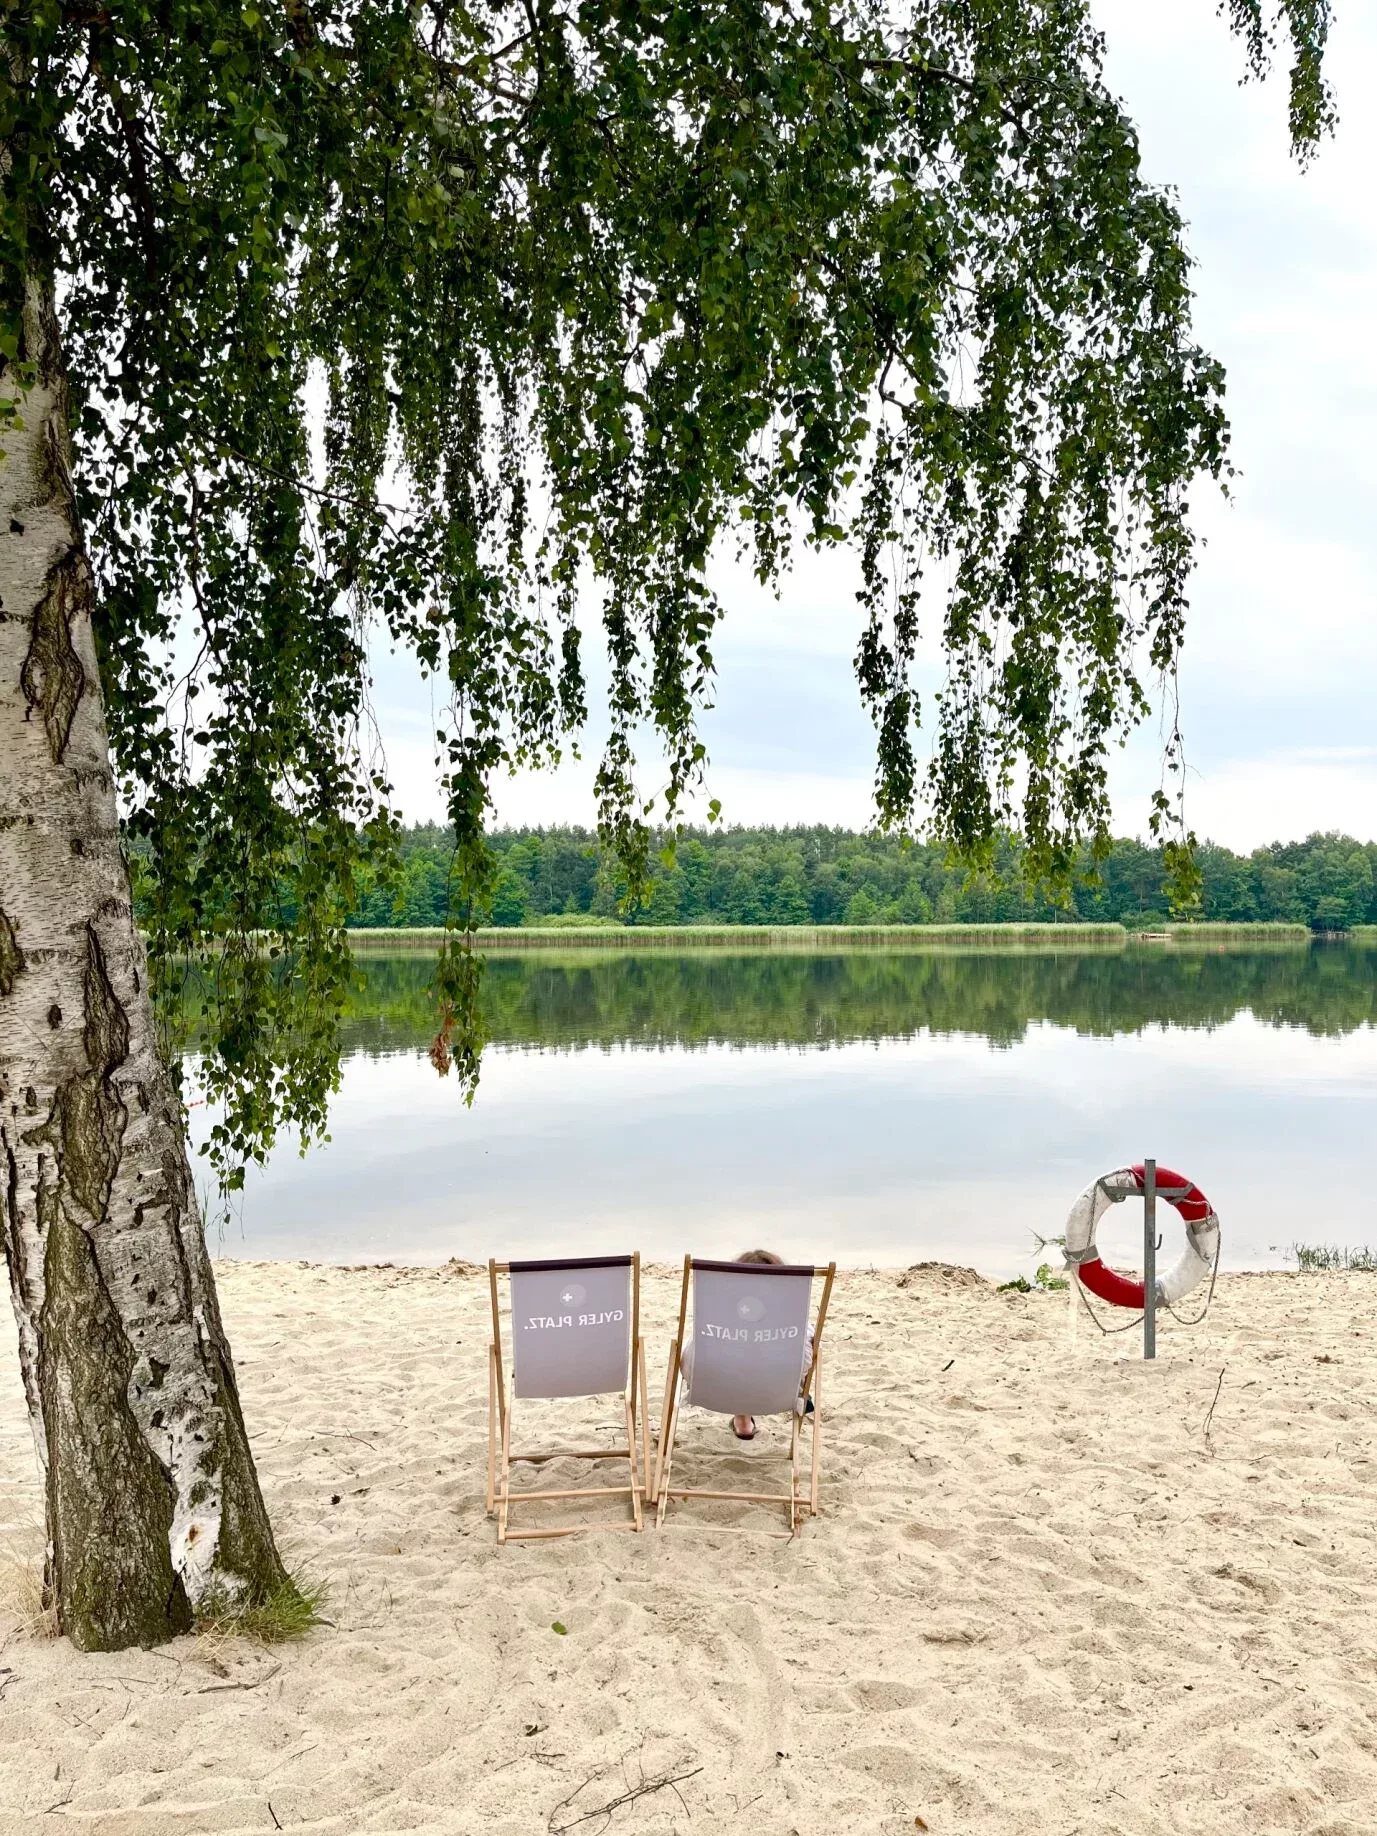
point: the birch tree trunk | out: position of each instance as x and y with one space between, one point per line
153 1505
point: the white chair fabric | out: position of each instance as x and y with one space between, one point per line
750 1340
571 1327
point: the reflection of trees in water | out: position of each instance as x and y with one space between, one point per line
800 1000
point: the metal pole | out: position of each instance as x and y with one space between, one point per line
1149 1258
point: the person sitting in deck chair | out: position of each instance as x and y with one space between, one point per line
750 1349
743 1426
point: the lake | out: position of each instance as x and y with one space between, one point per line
877 1107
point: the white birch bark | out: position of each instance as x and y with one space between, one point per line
153 1506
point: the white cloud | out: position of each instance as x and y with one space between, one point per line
1281 796
1274 609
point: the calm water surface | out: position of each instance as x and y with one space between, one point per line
877 1107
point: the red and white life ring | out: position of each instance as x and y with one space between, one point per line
1202 1237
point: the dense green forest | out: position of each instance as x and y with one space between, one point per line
834 876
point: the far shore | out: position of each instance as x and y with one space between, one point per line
495 939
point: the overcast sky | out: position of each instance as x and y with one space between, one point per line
1279 677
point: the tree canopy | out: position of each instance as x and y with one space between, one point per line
827 876
445 318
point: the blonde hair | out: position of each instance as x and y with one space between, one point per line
767 1256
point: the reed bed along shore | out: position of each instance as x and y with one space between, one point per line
498 940
1235 933
747 936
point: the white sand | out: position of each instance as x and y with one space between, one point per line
1038 1602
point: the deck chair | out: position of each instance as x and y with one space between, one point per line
749 1354
575 1332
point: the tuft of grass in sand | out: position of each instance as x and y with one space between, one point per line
293 1610
21 1594
1315 1258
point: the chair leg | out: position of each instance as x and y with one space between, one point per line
817 1434
644 1417
492 1421
671 1379
504 1497
631 1453
793 1473
667 1459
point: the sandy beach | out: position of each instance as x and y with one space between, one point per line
1049 1591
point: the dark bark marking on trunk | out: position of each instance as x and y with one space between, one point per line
11 956
44 338
87 776
52 678
110 1501
180 1196
14 1243
106 1033
52 474
86 1124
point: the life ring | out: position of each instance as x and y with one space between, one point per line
1202 1237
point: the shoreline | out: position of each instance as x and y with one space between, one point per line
460 1268
497 940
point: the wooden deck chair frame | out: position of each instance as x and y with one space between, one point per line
661 1490
502 1457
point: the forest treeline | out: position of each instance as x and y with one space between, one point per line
828 876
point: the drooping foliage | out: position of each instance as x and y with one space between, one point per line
439 321
1305 26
